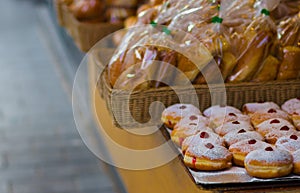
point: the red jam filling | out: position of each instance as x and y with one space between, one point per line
252 141
194 161
298 98
242 131
284 128
272 111
193 117
204 135
181 140
232 114
193 124
235 122
182 107
209 146
274 121
269 149
294 137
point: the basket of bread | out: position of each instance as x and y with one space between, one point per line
87 21
204 52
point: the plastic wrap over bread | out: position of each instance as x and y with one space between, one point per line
289 52
259 43
202 41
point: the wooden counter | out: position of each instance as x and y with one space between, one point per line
171 177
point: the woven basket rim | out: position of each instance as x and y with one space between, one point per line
202 86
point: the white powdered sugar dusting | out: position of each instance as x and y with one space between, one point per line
276 155
273 124
296 156
248 145
233 126
181 110
289 144
192 120
217 152
196 140
219 111
291 106
253 107
236 136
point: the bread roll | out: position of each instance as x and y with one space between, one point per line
268 70
143 8
155 2
249 62
289 68
227 64
118 15
130 21
91 10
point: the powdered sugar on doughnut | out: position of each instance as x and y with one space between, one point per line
220 120
219 111
247 145
265 114
273 124
233 126
276 155
290 143
239 135
202 137
250 108
296 156
272 136
215 153
180 110
192 120
291 106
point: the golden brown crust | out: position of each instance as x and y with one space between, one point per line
130 21
88 10
249 62
268 71
289 68
227 64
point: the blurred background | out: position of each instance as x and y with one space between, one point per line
40 148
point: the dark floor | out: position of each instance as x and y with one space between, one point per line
40 149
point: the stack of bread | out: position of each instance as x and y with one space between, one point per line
263 137
248 40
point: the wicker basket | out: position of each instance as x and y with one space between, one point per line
237 95
84 34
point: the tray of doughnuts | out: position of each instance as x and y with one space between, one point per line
257 144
